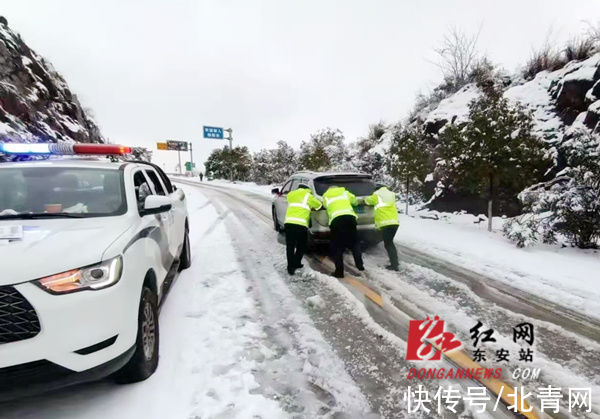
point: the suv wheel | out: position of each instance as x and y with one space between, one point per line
144 361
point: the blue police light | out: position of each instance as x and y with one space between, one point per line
24 148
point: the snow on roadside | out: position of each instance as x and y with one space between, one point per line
222 323
316 301
562 275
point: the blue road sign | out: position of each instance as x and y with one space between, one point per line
215 133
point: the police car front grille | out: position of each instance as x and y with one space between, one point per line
18 319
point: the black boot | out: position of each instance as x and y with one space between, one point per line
337 274
391 268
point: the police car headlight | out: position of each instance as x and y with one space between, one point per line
93 277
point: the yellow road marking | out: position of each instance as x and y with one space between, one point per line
460 358
366 291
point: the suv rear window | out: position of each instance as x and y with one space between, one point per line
357 185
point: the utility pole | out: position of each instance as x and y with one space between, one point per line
179 158
191 157
230 138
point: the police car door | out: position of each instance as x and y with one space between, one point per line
173 219
155 225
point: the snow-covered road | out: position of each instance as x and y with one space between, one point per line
240 338
228 348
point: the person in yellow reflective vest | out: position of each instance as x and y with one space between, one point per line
300 202
386 221
342 222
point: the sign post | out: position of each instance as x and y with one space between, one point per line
191 154
230 138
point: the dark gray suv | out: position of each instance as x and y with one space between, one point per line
360 184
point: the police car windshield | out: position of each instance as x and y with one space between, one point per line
38 192
359 186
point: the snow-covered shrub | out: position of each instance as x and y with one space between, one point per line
409 159
368 154
521 230
274 165
572 199
495 153
224 163
324 151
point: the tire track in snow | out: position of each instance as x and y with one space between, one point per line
383 385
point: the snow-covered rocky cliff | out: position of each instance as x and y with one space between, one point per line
36 103
559 100
562 102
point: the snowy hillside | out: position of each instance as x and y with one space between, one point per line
559 100
563 104
35 101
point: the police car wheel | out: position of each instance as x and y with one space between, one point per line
185 259
144 361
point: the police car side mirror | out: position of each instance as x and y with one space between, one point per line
155 204
275 191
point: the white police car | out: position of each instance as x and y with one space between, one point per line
88 250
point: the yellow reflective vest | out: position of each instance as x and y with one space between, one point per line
300 202
339 201
384 202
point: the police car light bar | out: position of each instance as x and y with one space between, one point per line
63 149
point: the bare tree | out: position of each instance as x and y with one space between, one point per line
593 32
457 56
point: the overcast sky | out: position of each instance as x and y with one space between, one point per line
154 70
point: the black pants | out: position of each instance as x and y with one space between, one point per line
388 233
344 235
296 237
